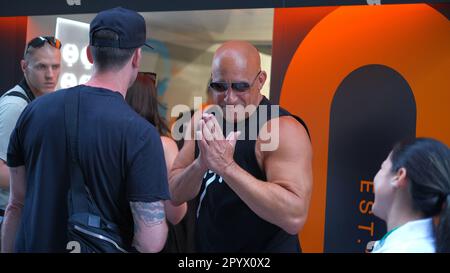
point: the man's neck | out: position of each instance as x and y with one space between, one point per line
109 80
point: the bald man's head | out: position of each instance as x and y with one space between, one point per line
236 64
239 55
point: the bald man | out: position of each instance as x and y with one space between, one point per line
253 187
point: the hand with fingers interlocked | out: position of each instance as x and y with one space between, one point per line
216 151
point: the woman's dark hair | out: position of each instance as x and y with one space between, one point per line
141 96
427 164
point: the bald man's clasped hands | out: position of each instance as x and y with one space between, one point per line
216 151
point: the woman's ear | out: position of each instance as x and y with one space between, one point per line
400 180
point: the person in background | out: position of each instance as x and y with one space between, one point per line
141 96
41 67
412 194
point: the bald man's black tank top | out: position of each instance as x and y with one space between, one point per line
224 222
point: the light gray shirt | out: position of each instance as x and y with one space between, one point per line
10 109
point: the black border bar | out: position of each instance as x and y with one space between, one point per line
53 7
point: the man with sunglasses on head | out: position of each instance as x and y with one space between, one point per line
120 166
252 196
41 66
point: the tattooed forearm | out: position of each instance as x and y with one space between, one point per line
149 213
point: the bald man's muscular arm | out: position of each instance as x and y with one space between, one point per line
284 199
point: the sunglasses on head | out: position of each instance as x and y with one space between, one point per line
236 86
41 40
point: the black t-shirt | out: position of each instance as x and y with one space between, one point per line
121 157
224 222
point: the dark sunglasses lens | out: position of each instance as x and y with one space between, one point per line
219 86
37 42
241 86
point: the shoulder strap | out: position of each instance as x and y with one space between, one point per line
78 196
81 204
18 94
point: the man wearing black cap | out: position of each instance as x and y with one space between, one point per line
119 153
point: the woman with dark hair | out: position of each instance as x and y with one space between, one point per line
141 96
412 194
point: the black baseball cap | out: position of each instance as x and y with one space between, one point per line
127 24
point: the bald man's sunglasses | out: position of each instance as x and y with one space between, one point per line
236 86
41 40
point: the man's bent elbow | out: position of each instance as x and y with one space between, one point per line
295 225
174 214
176 201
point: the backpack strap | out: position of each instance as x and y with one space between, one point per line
80 199
18 94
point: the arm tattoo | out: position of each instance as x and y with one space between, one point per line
150 213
